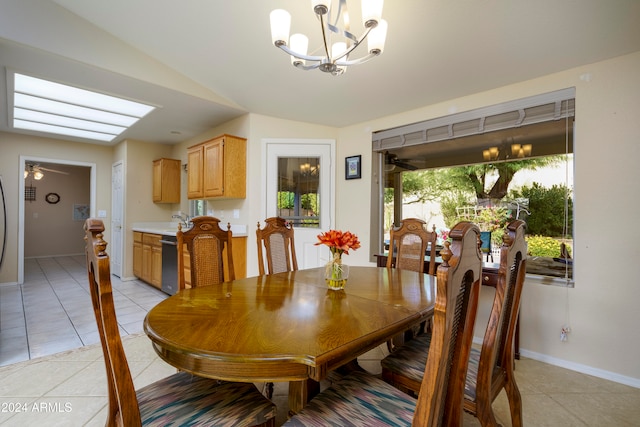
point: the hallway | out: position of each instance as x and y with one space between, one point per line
51 312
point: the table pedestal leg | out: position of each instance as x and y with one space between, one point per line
301 392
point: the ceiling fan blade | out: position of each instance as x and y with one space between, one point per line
51 170
405 165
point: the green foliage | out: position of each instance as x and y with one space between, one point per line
310 202
477 176
450 202
421 186
547 207
493 218
285 199
544 246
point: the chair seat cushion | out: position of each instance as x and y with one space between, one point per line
472 375
359 399
184 399
409 359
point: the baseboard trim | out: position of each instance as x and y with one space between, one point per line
7 284
585 369
578 367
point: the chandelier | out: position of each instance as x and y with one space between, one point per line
337 39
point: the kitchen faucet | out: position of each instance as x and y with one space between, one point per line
186 220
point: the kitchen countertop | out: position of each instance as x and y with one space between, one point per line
170 228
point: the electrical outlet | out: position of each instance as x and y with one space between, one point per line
236 213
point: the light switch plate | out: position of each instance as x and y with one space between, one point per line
102 214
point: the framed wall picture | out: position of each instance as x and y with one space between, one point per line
80 212
352 167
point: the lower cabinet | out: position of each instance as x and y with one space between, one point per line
137 254
147 258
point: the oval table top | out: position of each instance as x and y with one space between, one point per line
286 326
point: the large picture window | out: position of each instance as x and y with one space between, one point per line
445 172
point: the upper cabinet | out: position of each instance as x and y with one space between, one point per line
166 181
217 168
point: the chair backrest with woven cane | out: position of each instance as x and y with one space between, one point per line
408 245
458 287
491 368
206 244
275 241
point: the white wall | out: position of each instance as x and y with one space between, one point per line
605 338
12 146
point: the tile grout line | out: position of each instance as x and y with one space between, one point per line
66 312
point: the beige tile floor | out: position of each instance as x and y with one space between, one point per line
69 388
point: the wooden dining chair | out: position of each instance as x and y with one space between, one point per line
491 367
206 243
362 399
408 245
279 247
178 400
276 238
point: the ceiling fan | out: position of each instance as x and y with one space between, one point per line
392 162
36 171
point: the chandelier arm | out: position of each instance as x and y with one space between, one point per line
346 33
341 4
362 60
324 36
299 64
286 48
353 46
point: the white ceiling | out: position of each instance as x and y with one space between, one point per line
207 61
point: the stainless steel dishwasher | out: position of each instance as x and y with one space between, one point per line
169 264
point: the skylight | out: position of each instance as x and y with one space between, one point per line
45 106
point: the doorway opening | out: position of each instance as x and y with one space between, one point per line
53 205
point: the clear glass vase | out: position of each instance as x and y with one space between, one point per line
336 273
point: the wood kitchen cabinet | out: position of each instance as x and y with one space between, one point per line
147 258
137 254
166 181
217 168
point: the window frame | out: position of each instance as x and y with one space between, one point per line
554 106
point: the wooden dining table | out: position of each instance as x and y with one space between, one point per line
287 326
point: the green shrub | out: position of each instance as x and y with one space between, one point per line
544 246
547 207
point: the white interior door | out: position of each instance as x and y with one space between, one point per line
300 188
117 194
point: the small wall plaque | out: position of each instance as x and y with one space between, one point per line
30 193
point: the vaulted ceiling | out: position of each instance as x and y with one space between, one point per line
207 61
